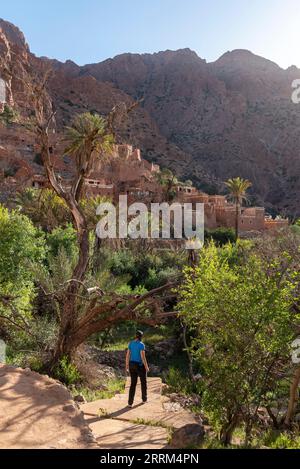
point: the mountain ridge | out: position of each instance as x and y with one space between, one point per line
207 121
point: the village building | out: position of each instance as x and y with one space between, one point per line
125 172
38 181
220 213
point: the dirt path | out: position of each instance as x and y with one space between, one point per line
145 426
38 412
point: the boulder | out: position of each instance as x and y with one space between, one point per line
80 399
155 370
189 436
39 413
172 406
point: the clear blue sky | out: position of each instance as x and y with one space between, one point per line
92 30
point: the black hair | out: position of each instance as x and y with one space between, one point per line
139 335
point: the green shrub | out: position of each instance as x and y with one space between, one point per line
242 322
63 237
112 387
9 115
177 381
29 351
150 270
283 440
221 236
67 372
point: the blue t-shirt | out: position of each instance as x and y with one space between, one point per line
136 347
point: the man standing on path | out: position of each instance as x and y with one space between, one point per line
137 366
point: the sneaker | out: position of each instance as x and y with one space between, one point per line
144 402
130 406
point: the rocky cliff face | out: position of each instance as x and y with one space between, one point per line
232 117
206 121
16 144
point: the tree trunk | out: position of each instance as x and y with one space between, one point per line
273 417
190 359
192 258
63 348
294 397
70 338
228 429
237 216
248 431
74 331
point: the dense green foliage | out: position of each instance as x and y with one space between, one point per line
49 211
238 305
9 115
21 247
36 263
44 208
67 372
242 323
221 236
63 238
150 270
20 244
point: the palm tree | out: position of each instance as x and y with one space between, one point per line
88 133
44 207
86 140
237 192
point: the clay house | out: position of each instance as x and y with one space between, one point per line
183 190
275 224
38 181
220 213
94 185
124 172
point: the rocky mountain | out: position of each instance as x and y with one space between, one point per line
232 117
206 121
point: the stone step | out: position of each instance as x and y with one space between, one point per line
113 404
115 425
150 412
111 434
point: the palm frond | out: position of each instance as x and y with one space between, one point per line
237 188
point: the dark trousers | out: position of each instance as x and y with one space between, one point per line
137 371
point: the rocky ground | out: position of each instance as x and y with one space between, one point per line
160 423
37 412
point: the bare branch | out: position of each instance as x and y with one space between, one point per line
26 327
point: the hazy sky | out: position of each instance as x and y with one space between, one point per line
92 30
